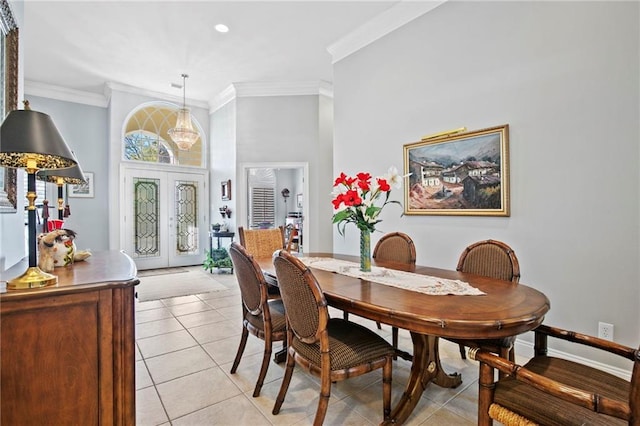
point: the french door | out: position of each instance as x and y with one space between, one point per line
165 218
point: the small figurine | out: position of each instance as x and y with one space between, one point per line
57 248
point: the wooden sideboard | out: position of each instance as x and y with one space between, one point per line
67 352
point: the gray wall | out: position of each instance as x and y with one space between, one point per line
564 76
223 162
282 129
84 128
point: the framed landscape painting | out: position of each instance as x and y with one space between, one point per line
459 174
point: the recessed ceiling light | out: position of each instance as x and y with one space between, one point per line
222 28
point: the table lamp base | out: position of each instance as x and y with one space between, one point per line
34 277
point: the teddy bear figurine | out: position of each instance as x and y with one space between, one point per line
57 248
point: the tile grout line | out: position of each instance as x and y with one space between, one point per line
198 344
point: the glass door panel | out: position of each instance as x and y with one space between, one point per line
165 219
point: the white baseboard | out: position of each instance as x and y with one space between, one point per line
524 352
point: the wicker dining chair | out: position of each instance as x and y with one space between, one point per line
396 247
261 317
554 391
493 259
331 348
261 243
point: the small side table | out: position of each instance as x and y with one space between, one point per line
218 235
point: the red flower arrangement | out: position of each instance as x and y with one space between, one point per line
355 198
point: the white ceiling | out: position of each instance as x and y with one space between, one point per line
82 45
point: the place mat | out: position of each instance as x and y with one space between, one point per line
426 284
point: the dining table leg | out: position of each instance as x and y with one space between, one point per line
426 367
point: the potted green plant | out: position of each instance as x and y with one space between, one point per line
217 258
224 263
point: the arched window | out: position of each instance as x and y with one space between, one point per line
141 145
146 137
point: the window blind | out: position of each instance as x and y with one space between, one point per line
263 207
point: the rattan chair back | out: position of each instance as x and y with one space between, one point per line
261 317
494 259
395 247
250 279
490 258
331 348
308 313
262 242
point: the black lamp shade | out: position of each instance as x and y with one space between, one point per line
30 140
31 135
72 175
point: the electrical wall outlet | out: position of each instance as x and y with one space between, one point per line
605 331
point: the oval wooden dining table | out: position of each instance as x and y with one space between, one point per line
507 309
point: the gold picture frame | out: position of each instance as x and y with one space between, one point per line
463 174
9 30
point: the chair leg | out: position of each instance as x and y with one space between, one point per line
243 343
394 340
486 387
264 367
463 355
288 372
345 315
325 394
378 324
387 374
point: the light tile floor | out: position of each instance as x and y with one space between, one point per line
185 348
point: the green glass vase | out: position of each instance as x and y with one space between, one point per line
365 251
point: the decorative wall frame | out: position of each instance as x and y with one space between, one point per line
83 190
459 174
9 85
225 190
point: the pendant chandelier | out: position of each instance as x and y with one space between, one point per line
183 134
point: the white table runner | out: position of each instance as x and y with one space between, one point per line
406 280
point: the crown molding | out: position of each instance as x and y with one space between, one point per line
222 98
60 93
119 87
284 88
393 18
326 89
255 89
